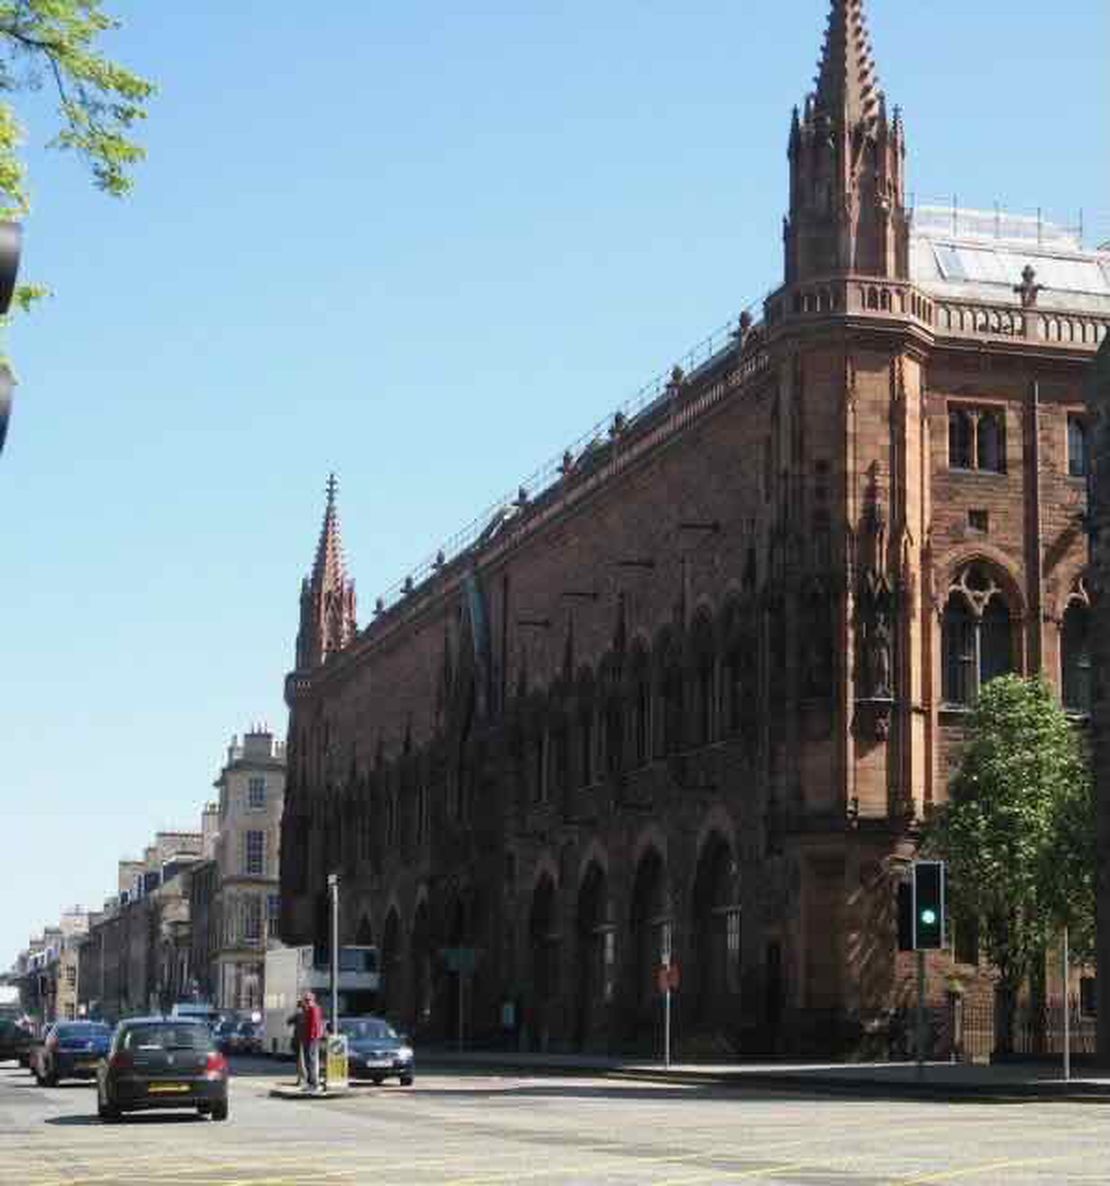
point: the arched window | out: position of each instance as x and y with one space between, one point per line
586 745
390 819
614 734
1075 657
995 641
1077 446
584 732
976 636
703 681
539 764
671 695
733 688
560 755
641 707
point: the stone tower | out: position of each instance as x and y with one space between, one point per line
327 597
847 193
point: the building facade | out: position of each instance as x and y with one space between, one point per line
136 954
689 696
235 893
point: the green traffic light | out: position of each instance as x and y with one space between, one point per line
928 917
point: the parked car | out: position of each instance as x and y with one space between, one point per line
376 1051
196 1011
162 1062
246 1037
70 1050
222 1033
17 1035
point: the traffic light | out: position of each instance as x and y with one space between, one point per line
11 240
928 905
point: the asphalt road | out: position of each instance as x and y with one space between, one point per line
493 1130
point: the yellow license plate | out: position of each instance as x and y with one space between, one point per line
167 1088
86 1066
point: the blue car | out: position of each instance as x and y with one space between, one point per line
71 1050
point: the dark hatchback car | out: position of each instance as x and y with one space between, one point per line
16 1039
71 1050
162 1062
375 1050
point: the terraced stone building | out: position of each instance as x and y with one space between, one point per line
693 690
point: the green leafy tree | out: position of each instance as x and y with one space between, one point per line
1018 832
54 43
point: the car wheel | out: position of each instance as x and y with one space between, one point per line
220 1110
406 1080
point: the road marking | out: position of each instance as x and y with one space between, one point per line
981 1168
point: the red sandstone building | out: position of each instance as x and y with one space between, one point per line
696 686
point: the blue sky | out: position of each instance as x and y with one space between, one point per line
425 245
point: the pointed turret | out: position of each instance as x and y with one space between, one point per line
847 197
847 84
328 621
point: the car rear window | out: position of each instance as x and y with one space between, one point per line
366 1027
82 1031
166 1036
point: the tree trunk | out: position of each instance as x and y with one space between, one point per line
1005 1008
1038 1002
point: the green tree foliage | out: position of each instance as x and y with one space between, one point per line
1018 831
54 43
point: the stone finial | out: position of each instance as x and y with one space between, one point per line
1028 288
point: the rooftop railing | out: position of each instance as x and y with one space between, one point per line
949 218
499 513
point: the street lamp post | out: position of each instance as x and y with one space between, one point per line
333 894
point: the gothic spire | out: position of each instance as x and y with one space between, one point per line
847 186
847 83
328 596
329 570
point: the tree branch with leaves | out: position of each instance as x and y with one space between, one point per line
56 44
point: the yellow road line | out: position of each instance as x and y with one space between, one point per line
982 1168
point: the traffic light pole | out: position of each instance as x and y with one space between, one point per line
1067 1012
667 996
920 1043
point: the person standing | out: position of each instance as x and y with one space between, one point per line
297 1021
313 1034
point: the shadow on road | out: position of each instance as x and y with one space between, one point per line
131 1118
261 1067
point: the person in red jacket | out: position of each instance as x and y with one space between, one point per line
313 1035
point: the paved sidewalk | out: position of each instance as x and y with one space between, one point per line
884 1080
